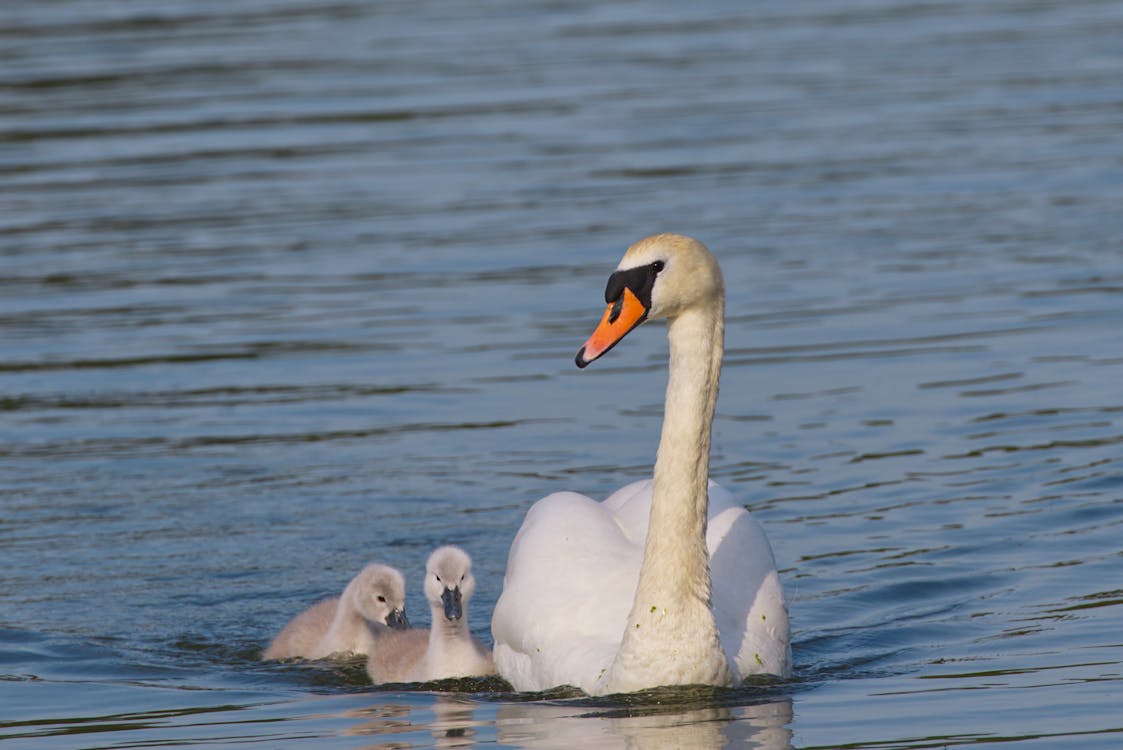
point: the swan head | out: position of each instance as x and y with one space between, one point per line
378 593
449 582
659 277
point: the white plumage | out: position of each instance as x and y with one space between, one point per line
590 597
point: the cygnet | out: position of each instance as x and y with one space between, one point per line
371 606
447 649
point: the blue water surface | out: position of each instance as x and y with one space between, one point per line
287 286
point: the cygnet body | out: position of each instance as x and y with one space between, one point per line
371 606
447 649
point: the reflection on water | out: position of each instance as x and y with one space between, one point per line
549 725
661 719
448 718
379 720
452 724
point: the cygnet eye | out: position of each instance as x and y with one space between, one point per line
381 598
437 577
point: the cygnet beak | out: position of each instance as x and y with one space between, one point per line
451 600
397 620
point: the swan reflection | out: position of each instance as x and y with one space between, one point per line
379 719
452 724
579 725
659 721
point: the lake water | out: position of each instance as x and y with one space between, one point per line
288 286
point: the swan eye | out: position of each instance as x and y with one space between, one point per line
639 279
437 577
381 598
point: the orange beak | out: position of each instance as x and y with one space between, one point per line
620 317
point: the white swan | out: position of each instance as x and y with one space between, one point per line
445 650
663 583
371 604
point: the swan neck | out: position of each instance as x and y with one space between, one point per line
677 531
444 630
671 636
348 624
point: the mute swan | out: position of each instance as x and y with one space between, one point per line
447 649
371 605
663 583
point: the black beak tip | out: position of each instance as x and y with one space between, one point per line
580 360
397 620
451 600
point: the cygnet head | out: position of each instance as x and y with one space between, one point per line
449 582
659 277
378 593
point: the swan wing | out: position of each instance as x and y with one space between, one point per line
748 600
571 577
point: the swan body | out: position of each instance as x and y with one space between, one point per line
669 581
371 605
445 650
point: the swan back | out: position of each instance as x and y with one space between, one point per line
301 636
